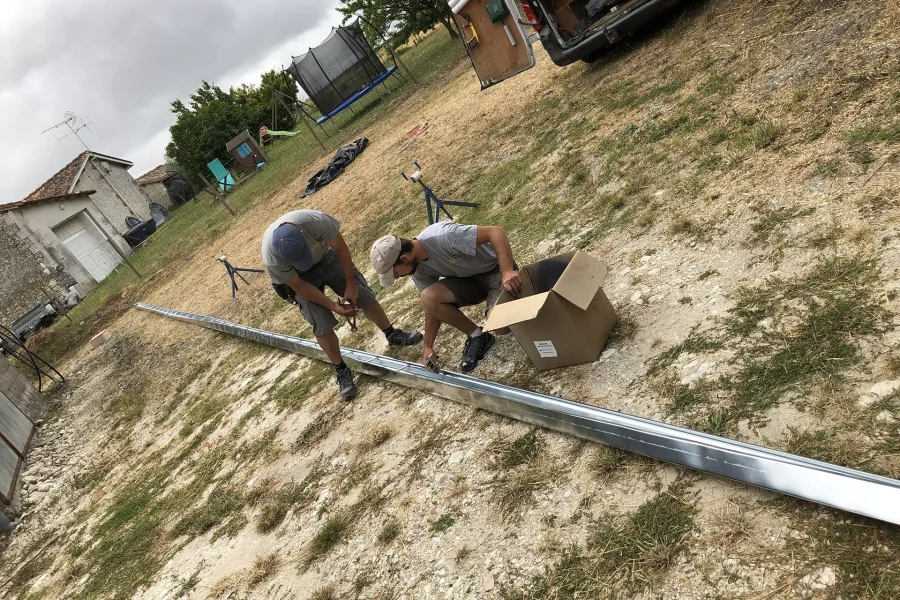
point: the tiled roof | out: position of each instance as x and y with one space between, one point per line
156 175
61 184
7 207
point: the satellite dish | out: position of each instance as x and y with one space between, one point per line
105 166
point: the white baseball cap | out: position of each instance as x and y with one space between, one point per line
384 254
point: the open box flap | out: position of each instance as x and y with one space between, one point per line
517 311
581 280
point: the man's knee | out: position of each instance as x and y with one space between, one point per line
320 318
366 297
430 298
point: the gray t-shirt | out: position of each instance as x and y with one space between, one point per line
453 251
318 229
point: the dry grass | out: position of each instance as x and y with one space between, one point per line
459 488
514 491
264 567
326 592
733 523
376 436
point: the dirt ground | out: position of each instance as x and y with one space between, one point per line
737 169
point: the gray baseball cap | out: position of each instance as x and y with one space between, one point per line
291 245
384 254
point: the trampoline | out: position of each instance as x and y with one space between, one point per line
346 104
340 71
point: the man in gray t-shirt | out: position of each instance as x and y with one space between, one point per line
303 251
452 266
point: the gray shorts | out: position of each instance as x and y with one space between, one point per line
471 291
328 272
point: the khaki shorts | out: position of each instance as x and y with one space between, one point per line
328 272
471 291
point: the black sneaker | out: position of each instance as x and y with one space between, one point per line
400 338
345 384
476 348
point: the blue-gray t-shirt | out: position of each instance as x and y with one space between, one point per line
453 251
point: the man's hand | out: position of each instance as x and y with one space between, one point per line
512 283
343 311
352 293
428 352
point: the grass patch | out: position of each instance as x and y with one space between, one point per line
127 407
319 428
442 523
328 592
436 437
875 133
827 168
864 553
30 571
132 541
839 305
224 505
513 491
719 421
817 318
376 436
622 556
686 226
772 225
358 471
522 450
816 129
758 135
606 460
827 445
717 83
264 568
291 496
624 329
389 532
327 537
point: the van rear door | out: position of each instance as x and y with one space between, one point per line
495 38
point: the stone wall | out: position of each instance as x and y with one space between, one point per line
158 193
136 201
28 274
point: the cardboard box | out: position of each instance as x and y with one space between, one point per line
562 316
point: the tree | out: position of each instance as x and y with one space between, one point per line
214 116
403 17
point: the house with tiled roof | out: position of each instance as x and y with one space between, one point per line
155 182
67 233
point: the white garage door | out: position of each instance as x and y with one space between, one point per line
95 255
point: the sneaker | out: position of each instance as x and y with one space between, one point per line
401 338
346 385
476 348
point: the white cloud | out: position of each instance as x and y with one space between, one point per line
122 63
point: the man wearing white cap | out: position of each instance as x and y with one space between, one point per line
305 251
451 265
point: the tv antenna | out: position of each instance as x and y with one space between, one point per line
74 124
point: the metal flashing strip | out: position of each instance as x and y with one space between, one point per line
838 487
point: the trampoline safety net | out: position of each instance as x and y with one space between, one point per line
338 68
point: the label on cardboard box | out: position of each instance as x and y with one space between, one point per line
546 349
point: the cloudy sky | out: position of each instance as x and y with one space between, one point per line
121 63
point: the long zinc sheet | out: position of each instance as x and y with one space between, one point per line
839 487
9 469
15 427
